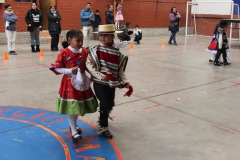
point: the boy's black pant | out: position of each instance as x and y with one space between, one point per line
106 96
224 54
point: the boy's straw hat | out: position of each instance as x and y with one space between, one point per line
107 29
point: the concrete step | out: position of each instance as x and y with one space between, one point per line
44 33
45 37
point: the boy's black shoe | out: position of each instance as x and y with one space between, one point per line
170 43
105 132
210 60
226 63
217 64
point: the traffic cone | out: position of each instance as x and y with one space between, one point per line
41 54
163 43
5 56
131 45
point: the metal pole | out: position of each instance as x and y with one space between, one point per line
232 10
186 20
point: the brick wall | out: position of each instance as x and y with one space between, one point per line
146 13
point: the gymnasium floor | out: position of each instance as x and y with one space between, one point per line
182 107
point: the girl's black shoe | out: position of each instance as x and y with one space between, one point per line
79 131
76 138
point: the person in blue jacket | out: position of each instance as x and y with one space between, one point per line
87 17
10 27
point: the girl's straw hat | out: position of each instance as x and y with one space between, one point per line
107 29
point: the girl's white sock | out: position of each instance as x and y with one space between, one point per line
73 123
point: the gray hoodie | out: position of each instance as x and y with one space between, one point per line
10 21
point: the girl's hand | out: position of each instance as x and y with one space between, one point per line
74 70
40 26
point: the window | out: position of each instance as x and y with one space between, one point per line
23 0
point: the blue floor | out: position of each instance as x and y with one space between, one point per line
36 134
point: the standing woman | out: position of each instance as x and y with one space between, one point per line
54 27
109 15
10 27
34 21
174 18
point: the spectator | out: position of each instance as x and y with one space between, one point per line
87 18
96 23
54 27
138 34
124 36
34 21
10 28
174 18
119 15
109 15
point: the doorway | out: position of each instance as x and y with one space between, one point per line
44 6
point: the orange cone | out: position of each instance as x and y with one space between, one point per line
163 43
131 45
41 54
5 56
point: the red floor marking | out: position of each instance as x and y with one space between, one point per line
87 157
222 129
86 147
146 108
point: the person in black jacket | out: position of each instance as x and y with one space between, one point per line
34 21
54 27
96 23
109 15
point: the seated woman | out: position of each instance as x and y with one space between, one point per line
124 36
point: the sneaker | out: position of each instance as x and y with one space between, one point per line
175 44
170 43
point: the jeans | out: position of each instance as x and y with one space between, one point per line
35 36
173 37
